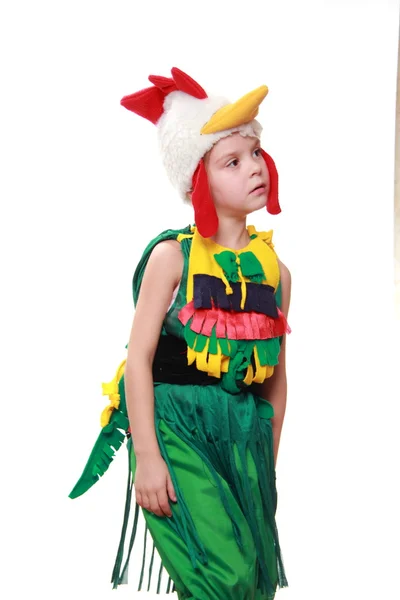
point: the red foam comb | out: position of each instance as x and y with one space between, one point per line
149 102
187 84
166 84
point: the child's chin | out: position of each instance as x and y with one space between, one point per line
258 203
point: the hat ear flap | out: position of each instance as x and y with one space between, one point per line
205 215
273 200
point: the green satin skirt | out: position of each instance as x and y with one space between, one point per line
221 542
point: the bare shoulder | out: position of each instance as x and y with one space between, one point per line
162 273
167 249
286 282
166 261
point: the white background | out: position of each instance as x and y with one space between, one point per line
83 191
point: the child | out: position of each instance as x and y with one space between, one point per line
202 394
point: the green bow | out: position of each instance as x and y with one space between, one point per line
249 264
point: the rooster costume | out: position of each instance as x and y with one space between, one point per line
221 335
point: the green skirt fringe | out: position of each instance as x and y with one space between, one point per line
219 451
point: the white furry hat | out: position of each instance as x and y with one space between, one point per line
181 143
181 110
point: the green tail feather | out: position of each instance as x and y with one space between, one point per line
107 445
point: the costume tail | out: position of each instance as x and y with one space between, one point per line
115 425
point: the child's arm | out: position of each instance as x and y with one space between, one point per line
274 388
163 272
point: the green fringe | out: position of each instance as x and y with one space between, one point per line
239 351
151 566
116 578
120 576
159 578
105 448
144 558
124 574
222 451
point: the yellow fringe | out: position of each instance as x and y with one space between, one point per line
261 371
228 289
249 375
243 284
191 355
225 363
214 364
111 390
201 358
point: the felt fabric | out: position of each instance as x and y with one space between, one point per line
242 111
273 206
110 439
170 364
204 250
149 102
223 342
209 291
233 325
205 214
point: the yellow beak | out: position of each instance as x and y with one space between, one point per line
239 113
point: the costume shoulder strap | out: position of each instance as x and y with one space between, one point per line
168 234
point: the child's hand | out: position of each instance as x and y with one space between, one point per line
153 485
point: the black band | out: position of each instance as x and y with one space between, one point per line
170 364
210 290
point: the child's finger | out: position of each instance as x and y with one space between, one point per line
155 505
170 488
164 503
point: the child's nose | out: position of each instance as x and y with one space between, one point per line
255 167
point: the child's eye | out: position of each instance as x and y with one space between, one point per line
257 151
233 163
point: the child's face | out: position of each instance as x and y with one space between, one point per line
235 167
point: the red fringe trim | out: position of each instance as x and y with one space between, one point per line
234 325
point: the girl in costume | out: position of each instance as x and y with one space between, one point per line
201 395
